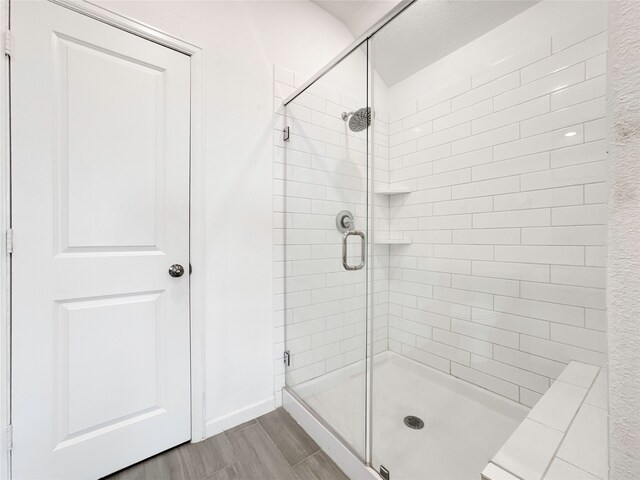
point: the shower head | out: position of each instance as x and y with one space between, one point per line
360 119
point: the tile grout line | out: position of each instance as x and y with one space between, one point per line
248 424
235 454
278 449
257 424
209 477
307 458
566 432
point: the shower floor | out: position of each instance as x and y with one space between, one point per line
464 425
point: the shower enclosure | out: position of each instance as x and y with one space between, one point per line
441 222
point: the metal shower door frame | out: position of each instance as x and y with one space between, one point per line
391 14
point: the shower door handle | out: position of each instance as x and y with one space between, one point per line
345 263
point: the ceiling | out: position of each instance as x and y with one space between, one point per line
357 15
434 28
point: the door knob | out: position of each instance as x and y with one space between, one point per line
176 270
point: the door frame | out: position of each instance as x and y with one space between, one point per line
196 212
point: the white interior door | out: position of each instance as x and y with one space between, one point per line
100 158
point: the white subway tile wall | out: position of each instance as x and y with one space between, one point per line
504 280
321 171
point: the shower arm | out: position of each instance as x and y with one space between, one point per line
345 115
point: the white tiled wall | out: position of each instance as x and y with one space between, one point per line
319 172
504 281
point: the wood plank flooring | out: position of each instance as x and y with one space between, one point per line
272 446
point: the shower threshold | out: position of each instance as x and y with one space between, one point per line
464 425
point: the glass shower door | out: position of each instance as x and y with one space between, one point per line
325 176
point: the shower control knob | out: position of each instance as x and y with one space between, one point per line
347 222
176 270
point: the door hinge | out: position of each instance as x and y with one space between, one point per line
9 437
287 358
9 240
384 473
285 134
7 43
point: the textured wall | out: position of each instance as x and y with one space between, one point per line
624 239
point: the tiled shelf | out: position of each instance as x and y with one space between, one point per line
398 190
392 241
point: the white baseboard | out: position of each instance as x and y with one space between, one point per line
215 426
348 461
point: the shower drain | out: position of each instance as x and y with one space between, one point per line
413 422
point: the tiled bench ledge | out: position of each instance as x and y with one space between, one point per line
564 437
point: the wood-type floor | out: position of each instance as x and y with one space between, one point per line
272 446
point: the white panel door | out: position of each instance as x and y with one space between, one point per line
100 130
